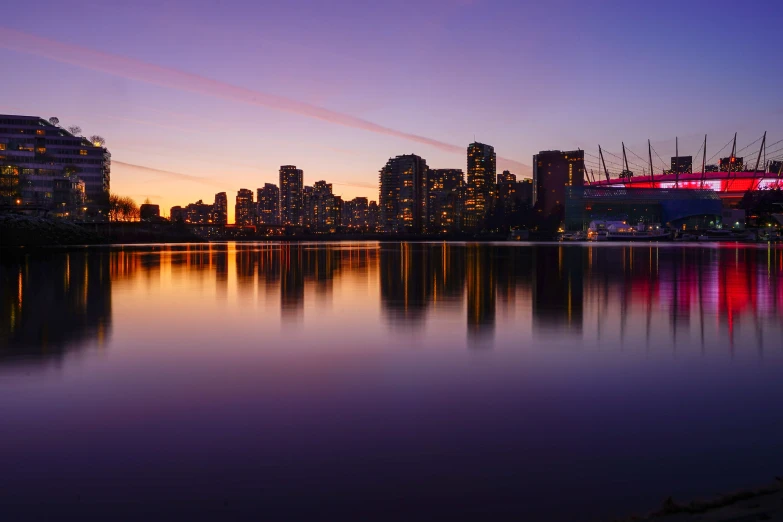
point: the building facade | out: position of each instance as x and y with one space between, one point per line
444 192
732 164
553 172
403 194
269 205
244 211
357 213
220 209
481 184
291 195
36 155
324 209
513 196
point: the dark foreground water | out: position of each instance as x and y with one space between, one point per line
386 381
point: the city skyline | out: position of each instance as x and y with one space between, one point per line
174 106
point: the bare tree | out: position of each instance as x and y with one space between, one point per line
75 130
122 208
54 120
98 141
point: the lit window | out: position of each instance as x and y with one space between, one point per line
83 152
40 132
41 150
2 146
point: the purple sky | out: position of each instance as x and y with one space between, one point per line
229 91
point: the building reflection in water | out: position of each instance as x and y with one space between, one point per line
54 303
557 277
656 296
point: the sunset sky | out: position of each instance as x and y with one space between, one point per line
198 97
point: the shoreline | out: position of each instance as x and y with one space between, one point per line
745 505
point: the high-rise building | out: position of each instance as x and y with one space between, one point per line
506 176
553 171
357 210
324 209
682 164
291 195
513 195
481 184
220 209
269 204
373 215
307 206
244 214
732 164
444 206
36 155
177 213
403 194
198 213
149 212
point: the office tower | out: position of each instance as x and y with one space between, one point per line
220 209
732 164
244 214
44 166
553 171
682 164
481 184
373 215
506 176
324 209
177 213
269 204
307 206
291 195
149 212
444 205
198 213
357 211
512 195
403 194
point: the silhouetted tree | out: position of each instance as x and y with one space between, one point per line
54 120
97 140
122 208
75 130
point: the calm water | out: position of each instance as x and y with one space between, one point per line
386 381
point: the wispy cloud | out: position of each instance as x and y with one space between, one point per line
168 173
134 69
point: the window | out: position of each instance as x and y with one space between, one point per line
41 150
2 146
83 152
40 132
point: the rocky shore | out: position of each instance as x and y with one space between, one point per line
34 231
749 505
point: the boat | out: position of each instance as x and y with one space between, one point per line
621 231
723 234
769 235
573 236
518 234
687 237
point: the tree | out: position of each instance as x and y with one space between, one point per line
97 140
122 208
54 120
75 130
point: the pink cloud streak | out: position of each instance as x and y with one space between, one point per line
175 79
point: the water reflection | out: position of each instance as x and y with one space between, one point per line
53 304
665 297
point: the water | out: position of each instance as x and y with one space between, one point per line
386 381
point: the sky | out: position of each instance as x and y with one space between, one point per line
196 97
